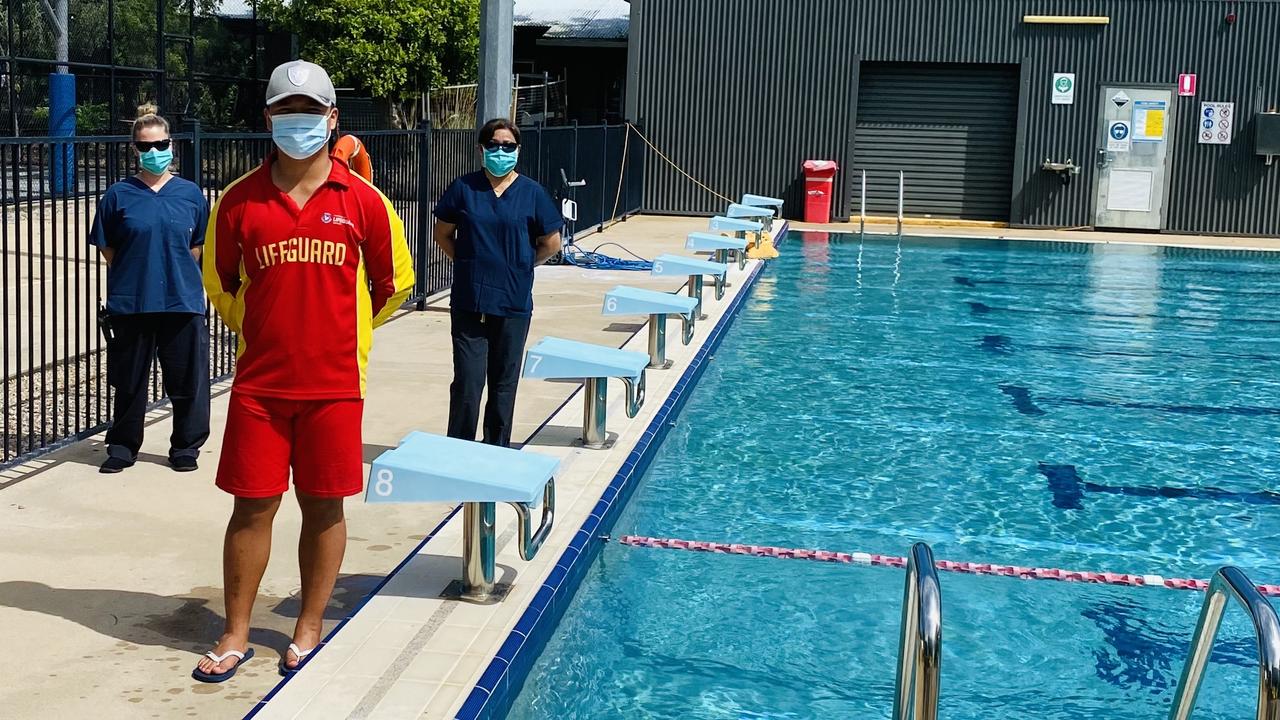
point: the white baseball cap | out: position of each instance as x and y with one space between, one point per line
299 77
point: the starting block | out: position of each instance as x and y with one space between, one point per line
559 359
739 227
624 300
433 468
719 245
694 269
764 202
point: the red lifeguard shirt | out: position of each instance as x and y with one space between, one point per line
305 287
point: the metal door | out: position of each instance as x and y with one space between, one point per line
1135 132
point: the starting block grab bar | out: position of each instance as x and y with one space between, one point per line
559 359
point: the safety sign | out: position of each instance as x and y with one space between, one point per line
1217 123
1118 136
1149 120
1120 99
1187 85
1064 88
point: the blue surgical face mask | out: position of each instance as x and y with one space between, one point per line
300 135
156 161
500 162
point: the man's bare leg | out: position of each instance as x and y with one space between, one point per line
245 552
320 549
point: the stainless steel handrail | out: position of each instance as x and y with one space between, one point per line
902 191
920 650
1230 581
862 209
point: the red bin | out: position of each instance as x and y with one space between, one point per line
819 181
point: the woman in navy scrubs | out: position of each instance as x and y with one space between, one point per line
149 229
497 226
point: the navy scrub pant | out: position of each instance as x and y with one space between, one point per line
181 342
485 347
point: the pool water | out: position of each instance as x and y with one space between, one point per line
1085 407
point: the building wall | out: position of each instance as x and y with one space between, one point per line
594 71
740 92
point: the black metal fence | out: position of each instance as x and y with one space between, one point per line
54 364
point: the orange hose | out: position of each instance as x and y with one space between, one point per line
351 151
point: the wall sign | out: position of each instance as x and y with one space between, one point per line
1064 88
1217 123
1148 120
1118 136
1187 85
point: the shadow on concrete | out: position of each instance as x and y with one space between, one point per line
562 436
95 452
629 328
371 452
186 622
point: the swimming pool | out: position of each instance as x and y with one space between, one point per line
1093 407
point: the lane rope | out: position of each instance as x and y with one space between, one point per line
968 568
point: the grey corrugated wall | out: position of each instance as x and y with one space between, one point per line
704 73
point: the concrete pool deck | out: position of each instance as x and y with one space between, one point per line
110 586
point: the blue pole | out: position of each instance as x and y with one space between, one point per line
62 123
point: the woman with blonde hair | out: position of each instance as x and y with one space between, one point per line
149 228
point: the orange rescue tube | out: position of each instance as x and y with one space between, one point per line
350 150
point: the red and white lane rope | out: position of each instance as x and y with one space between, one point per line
971 568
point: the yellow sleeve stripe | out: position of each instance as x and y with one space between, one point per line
402 261
230 306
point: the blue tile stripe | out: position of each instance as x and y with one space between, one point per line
502 680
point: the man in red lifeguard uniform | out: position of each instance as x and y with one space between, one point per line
303 259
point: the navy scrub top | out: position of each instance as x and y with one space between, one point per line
152 233
496 244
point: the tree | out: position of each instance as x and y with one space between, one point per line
394 50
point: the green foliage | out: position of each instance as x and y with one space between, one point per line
92 118
392 49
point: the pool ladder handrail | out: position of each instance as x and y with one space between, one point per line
1232 582
920 650
862 206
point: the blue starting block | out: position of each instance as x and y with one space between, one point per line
558 359
763 215
735 224
762 201
720 245
694 269
624 300
749 212
739 227
433 468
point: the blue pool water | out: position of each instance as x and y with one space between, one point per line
1085 407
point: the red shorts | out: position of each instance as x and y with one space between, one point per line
319 439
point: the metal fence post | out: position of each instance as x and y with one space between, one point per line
190 168
604 173
424 214
542 140
573 160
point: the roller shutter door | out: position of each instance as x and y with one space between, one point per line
950 128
